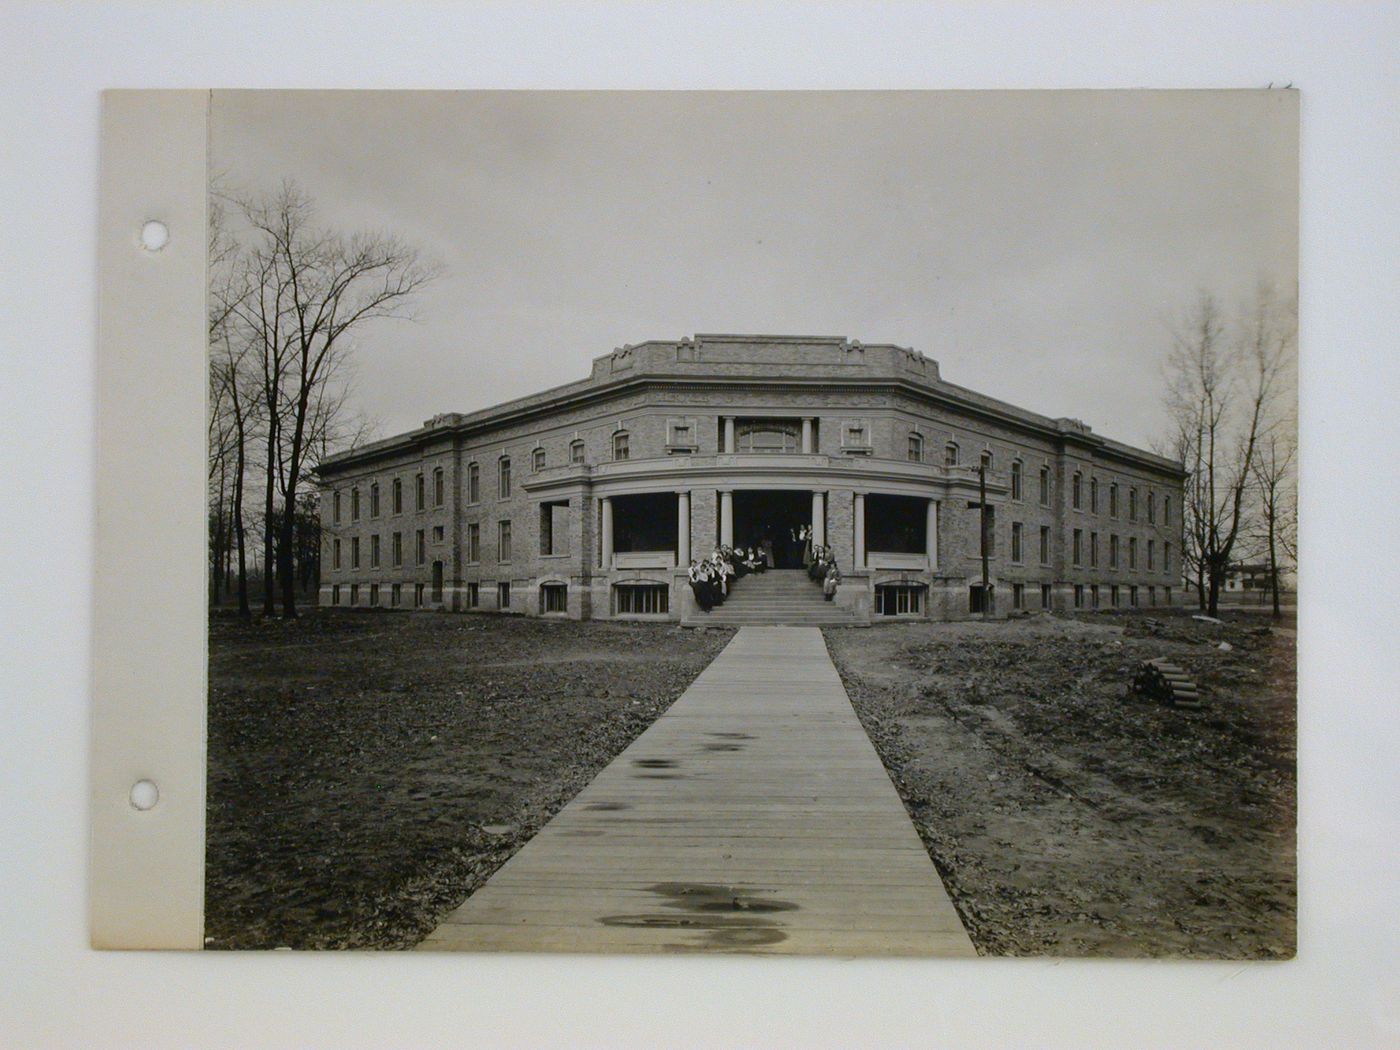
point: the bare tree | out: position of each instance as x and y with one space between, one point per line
1224 384
1273 480
309 289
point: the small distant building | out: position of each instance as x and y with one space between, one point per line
1254 579
589 500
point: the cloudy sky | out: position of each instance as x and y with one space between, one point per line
1038 245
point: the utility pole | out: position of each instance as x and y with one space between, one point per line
982 505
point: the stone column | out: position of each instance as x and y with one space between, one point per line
726 519
683 529
607 558
858 516
818 519
729 434
807 435
931 534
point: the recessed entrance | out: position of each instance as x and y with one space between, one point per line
772 518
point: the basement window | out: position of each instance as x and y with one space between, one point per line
899 599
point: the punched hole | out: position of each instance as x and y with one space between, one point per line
154 235
144 794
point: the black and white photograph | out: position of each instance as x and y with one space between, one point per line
853 523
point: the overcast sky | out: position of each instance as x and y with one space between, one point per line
1037 245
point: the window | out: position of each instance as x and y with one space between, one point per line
1113 596
1018 596
856 436
374 552
396 595
398 495
682 436
642 599
980 599
1167 563
1079 596
1133 596
899 599
473 482
374 595
398 549
335 594
987 460
554 598
374 500
1076 491
576 452
502 596
1093 495
1151 555
473 596
1166 510
503 478
1094 595
1113 552
1045 596
916 448
950 454
335 510
1151 595
437 581
1132 552
1016 480
1093 550
439 533
1045 486
1132 504
474 542
420 548
1166 595
418 595
1045 545
355 553
437 488
354 594
1016 540
1151 507
1078 545
537 460
503 541
621 443
419 497
335 556
1113 500
354 504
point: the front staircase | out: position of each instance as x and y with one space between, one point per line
783 597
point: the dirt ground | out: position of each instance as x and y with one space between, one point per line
367 771
1068 818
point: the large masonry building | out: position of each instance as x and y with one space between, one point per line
589 500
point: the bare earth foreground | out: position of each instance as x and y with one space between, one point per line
367 771
1069 819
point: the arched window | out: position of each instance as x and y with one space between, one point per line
1113 500
987 459
503 478
621 445
438 492
398 495
916 447
1093 495
537 460
354 504
1151 507
1016 482
1166 510
770 436
335 507
374 499
1076 491
950 454
576 452
473 482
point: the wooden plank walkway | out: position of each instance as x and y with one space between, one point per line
754 816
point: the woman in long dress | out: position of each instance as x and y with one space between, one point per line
831 581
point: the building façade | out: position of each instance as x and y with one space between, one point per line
589 500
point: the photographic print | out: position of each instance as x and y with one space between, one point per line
825 523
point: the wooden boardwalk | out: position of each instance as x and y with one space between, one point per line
754 816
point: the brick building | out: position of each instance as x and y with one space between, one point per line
588 500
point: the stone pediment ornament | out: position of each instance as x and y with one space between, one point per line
853 346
